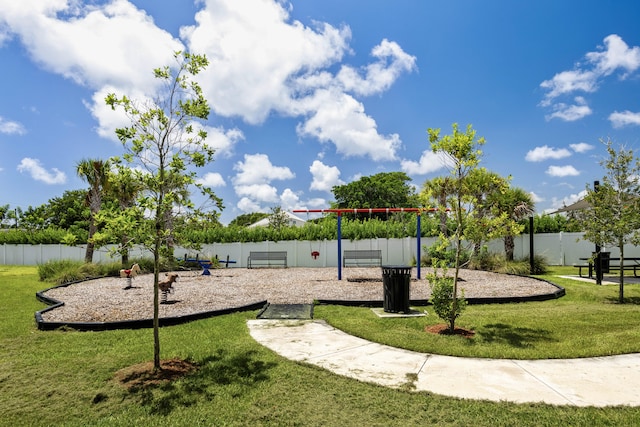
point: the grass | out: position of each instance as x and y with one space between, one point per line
66 377
586 322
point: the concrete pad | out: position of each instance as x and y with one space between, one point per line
601 381
379 311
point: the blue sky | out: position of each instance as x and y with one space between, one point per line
306 95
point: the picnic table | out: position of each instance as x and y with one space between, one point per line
608 265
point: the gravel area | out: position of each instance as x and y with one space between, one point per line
106 300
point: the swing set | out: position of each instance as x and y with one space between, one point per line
339 212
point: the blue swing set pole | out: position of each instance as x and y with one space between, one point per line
387 210
418 246
339 245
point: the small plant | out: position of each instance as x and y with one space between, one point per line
445 304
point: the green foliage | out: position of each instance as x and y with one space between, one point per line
383 190
47 236
446 304
437 254
278 218
612 219
244 220
66 271
486 260
462 153
552 224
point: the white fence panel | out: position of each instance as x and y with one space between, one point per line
557 248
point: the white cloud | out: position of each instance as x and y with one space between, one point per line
212 179
568 82
247 205
258 169
545 152
380 75
581 147
616 55
289 200
585 77
561 171
324 177
557 203
340 119
262 62
258 192
255 50
223 140
570 113
429 162
34 168
536 198
252 182
94 45
620 119
10 127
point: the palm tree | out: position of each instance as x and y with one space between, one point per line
96 173
483 186
439 189
125 188
517 204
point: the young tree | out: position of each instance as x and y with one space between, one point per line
96 173
165 144
278 218
612 218
463 156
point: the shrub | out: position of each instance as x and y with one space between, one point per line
436 255
66 271
442 298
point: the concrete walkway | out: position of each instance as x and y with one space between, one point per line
598 381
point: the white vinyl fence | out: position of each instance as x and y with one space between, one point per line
557 248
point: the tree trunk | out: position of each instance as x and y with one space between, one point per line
156 292
509 247
124 252
88 255
621 276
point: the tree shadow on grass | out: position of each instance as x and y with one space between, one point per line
518 337
627 300
237 372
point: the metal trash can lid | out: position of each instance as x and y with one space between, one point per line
397 269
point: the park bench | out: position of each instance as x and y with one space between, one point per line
357 258
267 258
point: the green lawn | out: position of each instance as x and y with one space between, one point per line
65 377
586 322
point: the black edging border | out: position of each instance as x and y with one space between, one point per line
125 324
262 305
558 293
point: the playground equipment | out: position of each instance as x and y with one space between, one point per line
130 274
339 212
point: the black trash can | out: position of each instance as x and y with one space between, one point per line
396 280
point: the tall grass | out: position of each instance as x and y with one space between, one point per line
65 378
